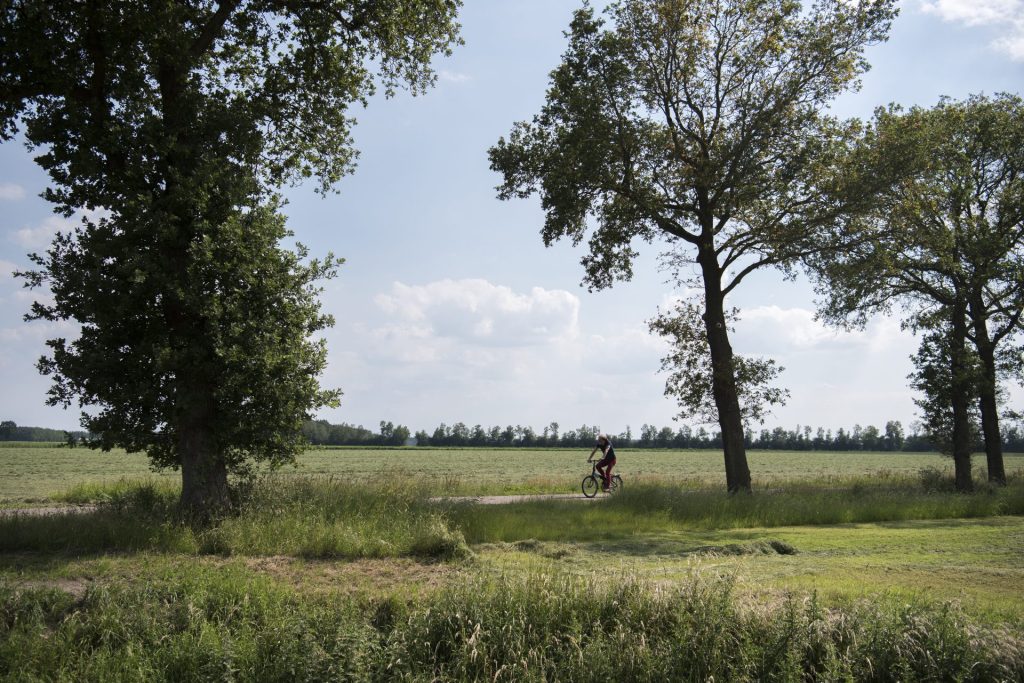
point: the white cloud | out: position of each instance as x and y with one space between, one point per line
1005 16
626 351
42 235
476 351
774 330
453 76
795 327
11 192
974 12
7 270
477 311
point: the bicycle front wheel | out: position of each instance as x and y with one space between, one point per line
590 486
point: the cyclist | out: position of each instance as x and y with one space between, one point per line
604 444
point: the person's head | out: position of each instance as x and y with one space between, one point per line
603 439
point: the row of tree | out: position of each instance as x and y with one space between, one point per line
11 431
802 438
706 125
323 433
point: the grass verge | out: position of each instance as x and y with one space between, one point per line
315 517
656 508
327 517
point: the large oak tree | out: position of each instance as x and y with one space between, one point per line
698 122
173 123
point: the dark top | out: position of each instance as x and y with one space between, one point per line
609 452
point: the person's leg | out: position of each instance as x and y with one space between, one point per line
602 467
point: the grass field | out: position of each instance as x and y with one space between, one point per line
845 566
35 475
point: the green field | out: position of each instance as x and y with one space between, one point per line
34 474
841 562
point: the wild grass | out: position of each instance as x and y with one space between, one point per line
652 508
317 517
329 517
233 626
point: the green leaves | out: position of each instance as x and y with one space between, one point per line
694 121
176 123
944 241
690 377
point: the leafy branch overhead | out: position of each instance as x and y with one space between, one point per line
697 122
268 84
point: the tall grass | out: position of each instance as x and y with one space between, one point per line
645 508
232 626
390 517
312 517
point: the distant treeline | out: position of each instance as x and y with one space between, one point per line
323 433
9 431
802 438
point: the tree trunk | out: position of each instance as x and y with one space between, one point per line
204 478
961 437
204 475
987 400
723 383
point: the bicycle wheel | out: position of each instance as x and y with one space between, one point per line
590 486
616 483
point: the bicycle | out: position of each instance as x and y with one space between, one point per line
593 482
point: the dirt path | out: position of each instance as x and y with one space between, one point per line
505 500
479 500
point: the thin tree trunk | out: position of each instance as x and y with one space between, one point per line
723 385
961 437
987 400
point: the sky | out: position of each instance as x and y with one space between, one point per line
450 309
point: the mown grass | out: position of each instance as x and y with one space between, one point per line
233 626
816 586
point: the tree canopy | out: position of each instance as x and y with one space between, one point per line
943 244
698 124
172 125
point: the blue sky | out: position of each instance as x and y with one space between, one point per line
449 308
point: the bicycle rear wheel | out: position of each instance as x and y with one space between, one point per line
616 483
590 486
